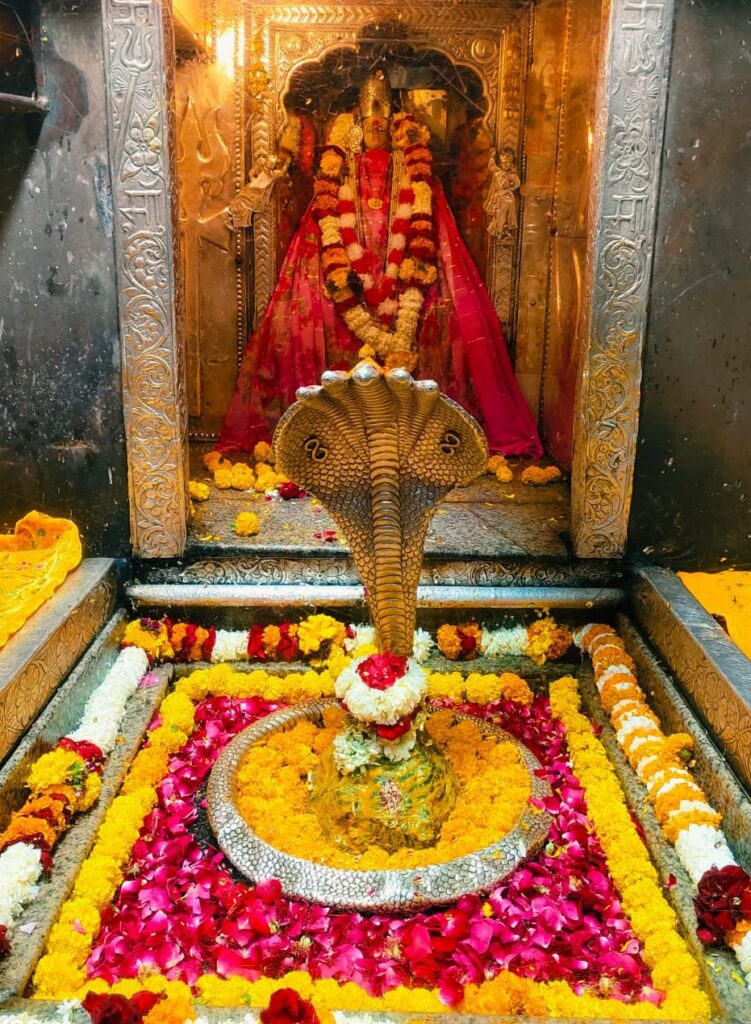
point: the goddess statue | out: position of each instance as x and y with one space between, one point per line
378 262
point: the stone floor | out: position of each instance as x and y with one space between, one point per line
486 520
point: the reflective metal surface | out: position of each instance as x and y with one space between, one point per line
238 595
629 125
435 884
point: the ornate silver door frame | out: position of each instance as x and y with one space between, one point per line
139 71
632 92
630 123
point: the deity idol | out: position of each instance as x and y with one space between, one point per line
378 263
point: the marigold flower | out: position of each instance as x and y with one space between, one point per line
263 452
538 476
547 640
223 478
212 460
247 524
331 163
25 829
315 630
151 635
198 491
57 977
56 768
242 477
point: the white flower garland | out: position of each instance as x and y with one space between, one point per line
364 635
499 643
402 338
422 645
230 645
21 863
106 706
381 707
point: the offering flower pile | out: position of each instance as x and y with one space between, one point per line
580 929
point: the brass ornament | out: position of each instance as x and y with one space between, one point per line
375 96
380 451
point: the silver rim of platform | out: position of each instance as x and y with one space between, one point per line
433 885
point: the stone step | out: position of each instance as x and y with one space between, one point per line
38 657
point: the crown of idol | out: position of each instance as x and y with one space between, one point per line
375 96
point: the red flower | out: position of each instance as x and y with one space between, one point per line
208 644
393 732
4 941
288 648
288 1007
106 1008
381 671
723 898
256 649
468 641
90 752
290 490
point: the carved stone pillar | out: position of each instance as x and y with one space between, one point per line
139 71
632 94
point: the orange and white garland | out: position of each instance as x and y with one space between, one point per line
384 320
62 783
687 818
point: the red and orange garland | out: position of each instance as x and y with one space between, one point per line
689 822
543 640
386 316
316 637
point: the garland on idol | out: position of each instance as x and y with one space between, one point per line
386 316
688 821
317 637
62 783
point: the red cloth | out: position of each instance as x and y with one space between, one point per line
460 341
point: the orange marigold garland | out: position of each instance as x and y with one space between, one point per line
688 820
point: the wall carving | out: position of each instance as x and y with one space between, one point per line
260 569
137 37
632 93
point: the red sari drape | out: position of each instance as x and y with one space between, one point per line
460 342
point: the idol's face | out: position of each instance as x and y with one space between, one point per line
375 132
506 162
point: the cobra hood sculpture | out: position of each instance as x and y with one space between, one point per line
380 450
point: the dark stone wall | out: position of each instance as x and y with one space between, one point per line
692 489
61 428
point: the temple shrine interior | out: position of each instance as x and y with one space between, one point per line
375 559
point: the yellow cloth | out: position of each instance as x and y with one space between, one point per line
727 594
34 561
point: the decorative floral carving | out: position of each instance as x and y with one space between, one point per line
628 137
143 148
138 55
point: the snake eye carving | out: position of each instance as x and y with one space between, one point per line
316 449
450 443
